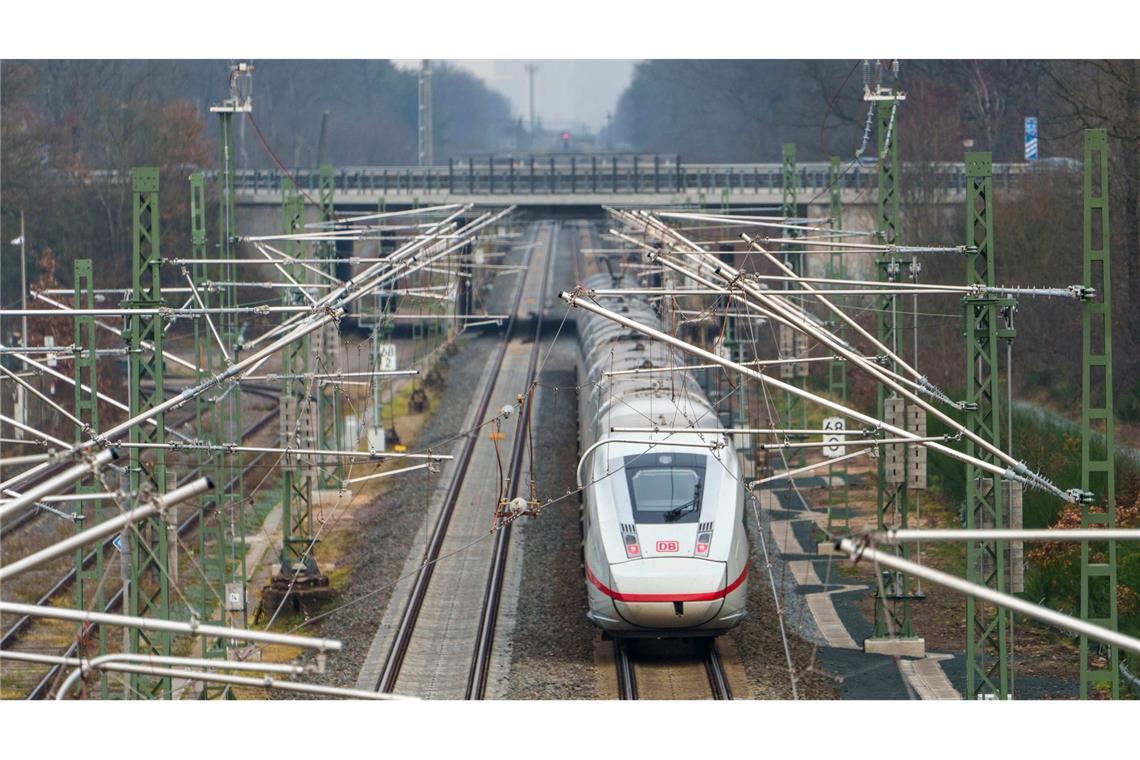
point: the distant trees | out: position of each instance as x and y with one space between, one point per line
73 135
744 110
729 110
67 126
1106 94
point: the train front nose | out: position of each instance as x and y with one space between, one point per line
668 592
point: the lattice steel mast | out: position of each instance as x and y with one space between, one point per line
892 602
149 545
1098 561
329 420
89 589
793 343
838 498
987 656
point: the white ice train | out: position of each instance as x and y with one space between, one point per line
664 548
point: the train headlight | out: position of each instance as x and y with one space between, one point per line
629 538
704 540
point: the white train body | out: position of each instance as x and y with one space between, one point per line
664 546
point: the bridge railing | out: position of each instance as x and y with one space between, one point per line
604 174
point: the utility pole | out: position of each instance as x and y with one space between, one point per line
23 281
838 502
1098 508
299 577
426 135
793 344
987 655
329 419
148 544
530 71
227 426
894 631
21 409
89 588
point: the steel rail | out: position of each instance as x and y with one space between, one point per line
406 627
718 679
485 639
626 681
714 669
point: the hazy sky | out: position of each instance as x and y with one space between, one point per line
567 93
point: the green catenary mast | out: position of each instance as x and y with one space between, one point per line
987 656
89 589
1098 560
149 573
794 343
892 604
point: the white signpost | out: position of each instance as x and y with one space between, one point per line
834 438
387 357
385 362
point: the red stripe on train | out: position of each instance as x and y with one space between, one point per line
709 596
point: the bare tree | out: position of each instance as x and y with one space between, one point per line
1090 94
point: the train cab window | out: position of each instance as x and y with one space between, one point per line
665 488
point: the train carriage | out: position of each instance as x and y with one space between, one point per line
664 548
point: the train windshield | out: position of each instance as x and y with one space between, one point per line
665 488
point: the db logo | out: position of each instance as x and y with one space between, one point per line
668 546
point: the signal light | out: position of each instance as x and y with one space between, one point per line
565 135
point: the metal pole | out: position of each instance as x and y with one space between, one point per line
146 261
264 682
1053 618
57 483
575 300
1098 472
838 498
170 626
895 536
330 422
24 279
793 344
106 528
87 414
892 611
987 653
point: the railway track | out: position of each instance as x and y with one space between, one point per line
648 669
20 630
477 681
480 644
665 669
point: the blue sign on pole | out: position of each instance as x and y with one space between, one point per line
117 542
1031 138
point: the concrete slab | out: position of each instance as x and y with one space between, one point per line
927 678
803 570
786 541
828 622
896 647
